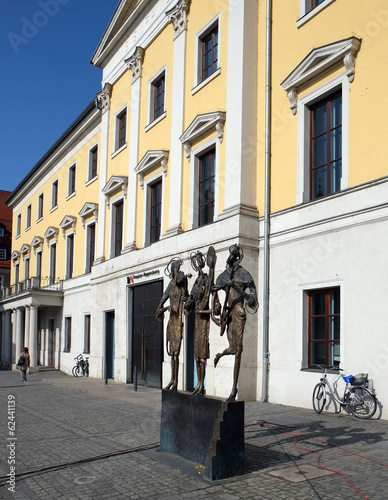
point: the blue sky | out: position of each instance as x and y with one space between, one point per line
46 79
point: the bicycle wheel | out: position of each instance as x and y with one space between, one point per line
75 371
361 402
319 399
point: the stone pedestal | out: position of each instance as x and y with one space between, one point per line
208 431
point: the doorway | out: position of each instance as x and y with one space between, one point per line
109 344
147 334
50 343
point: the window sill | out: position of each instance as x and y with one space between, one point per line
118 151
90 181
53 209
155 122
39 219
70 196
312 13
27 228
198 87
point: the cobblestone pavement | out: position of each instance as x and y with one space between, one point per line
77 438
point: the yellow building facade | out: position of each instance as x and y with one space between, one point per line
231 122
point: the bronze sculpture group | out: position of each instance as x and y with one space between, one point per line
240 292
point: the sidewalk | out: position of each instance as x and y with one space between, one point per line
79 438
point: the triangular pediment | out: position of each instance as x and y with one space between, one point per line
15 255
319 60
88 209
51 232
115 182
152 158
125 14
68 222
37 241
202 124
26 249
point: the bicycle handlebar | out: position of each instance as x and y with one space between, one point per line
328 368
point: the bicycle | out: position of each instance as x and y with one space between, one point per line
82 366
358 398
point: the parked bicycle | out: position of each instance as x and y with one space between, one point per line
81 369
358 398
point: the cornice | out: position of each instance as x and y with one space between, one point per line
115 183
88 210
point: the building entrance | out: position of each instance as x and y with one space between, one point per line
147 338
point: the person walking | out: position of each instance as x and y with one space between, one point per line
24 366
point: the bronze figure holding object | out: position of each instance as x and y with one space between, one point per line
234 280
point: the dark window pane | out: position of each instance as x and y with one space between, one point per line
320 120
319 182
318 353
318 328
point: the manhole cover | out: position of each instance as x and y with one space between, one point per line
84 479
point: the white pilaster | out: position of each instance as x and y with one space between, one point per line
178 16
33 334
103 103
19 333
241 108
7 353
135 65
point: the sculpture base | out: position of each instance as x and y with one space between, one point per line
208 431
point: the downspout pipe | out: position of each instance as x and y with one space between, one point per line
267 195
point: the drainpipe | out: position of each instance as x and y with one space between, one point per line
265 366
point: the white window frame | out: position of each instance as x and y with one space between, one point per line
302 317
72 193
303 118
2 232
87 229
53 207
116 149
28 216
212 143
158 175
68 235
3 254
198 82
90 178
40 207
18 225
306 15
113 202
151 109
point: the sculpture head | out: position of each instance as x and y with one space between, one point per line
173 267
236 255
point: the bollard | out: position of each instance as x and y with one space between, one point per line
135 379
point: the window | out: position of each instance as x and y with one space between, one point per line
209 52
87 325
157 96
324 327
2 232
2 281
90 247
206 191
54 194
326 146
26 269
39 266
16 273
67 346
121 129
70 257
311 4
93 155
3 254
71 184
40 206
53 263
18 224
155 193
118 228
28 217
